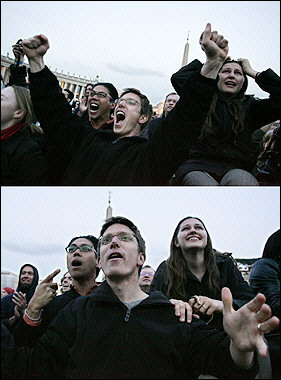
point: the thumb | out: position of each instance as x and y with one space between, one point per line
227 300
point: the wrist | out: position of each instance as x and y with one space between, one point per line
33 312
211 68
36 64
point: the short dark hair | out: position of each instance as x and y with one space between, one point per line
171 93
94 240
111 89
146 107
128 223
70 93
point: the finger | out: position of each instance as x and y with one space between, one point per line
261 347
256 303
206 34
50 277
214 35
226 297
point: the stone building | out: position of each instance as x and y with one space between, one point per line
76 84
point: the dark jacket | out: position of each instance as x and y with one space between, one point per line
152 126
219 153
7 305
230 277
23 160
18 76
97 157
97 337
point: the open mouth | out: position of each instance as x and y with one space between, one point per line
115 255
230 83
94 107
76 263
120 116
193 238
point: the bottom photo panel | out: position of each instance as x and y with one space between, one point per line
140 282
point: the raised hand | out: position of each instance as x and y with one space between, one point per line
19 299
36 46
247 325
43 295
214 45
247 68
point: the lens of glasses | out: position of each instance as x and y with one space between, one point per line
122 237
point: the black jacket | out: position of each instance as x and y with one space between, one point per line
26 335
219 153
97 157
23 160
97 337
230 277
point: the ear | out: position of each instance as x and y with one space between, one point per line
18 114
176 242
141 258
112 105
143 119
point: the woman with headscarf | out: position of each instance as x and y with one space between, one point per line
222 154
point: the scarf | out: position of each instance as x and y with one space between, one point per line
5 133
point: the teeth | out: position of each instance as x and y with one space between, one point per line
94 106
232 83
120 116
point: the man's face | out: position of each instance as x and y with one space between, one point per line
9 104
89 88
146 276
120 258
81 264
66 282
98 106
27 275
127 117
170 103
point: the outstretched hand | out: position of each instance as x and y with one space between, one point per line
246 325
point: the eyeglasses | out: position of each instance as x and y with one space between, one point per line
144 273
130 101
82 248
100 94
122 236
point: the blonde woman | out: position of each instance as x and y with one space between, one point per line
23 155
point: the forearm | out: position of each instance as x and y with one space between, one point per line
211 68
241 358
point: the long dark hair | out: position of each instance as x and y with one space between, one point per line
235 105
176 279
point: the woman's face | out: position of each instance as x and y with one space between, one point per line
192 234
231 78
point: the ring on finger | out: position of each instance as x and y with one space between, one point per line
260 330
198 300
205 307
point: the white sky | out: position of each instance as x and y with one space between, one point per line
38 222
141 43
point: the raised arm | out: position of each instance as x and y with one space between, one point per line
35 48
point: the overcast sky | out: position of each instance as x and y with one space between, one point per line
38 222
141 43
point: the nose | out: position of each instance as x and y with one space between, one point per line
114 242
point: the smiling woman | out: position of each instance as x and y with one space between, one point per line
196 273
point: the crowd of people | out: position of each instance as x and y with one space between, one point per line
206 136
177 320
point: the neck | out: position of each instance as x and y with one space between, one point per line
82 286
195 262
100 121
8 124
127 290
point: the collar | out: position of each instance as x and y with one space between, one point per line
5 133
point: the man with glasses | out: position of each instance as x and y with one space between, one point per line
146 277
82 265
121 157
121 332
98 106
